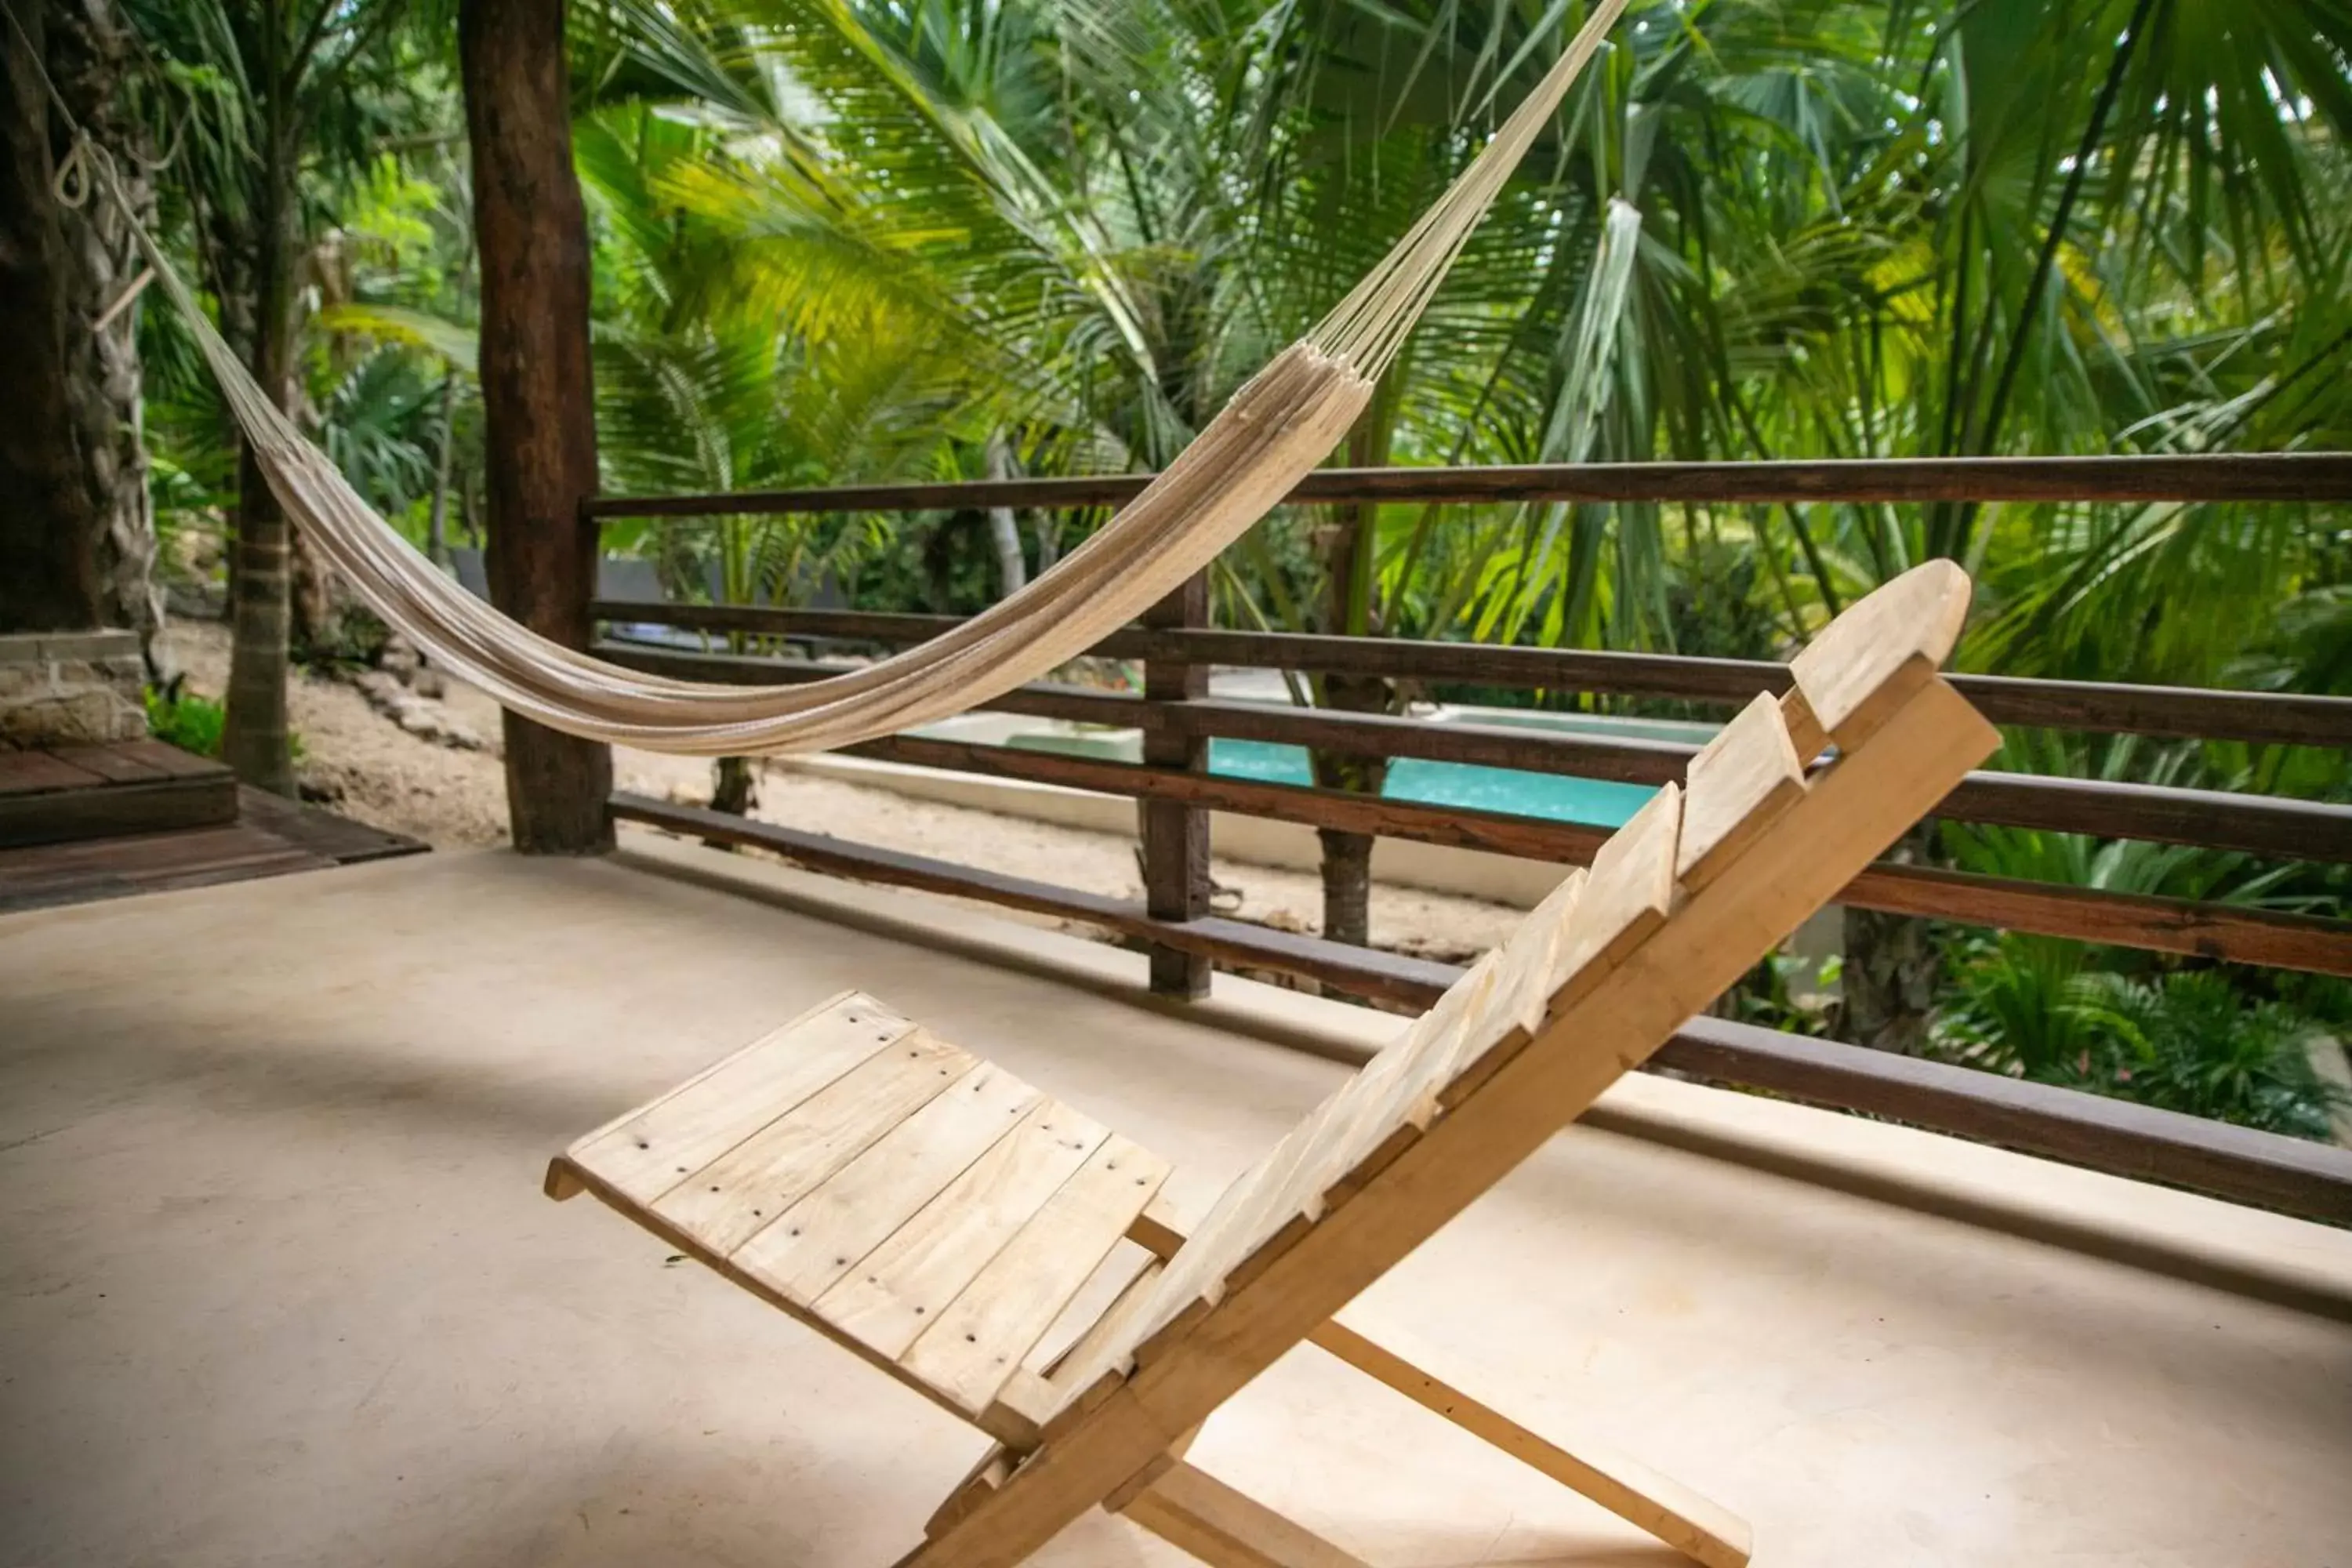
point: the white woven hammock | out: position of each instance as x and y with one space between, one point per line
1277 427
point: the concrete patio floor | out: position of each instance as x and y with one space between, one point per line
278 1286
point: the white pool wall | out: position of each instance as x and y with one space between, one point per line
1433 867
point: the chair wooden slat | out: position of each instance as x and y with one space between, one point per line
1740 783
1866 663
646 1152
907 1281
1356 1112
1494 1018
1190 1285
1022 1407
1392 1097
1626 898
1584 930
983 1337
829 1232
726 1202
1523 995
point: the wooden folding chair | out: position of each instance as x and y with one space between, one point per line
936 1214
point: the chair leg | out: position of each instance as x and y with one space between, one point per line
999 1526
1700 1529
995 1468
1149 1476
1188 1507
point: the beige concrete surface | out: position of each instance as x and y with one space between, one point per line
277 1285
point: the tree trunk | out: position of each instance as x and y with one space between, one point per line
531 237
314 609
735 785
1347 866
1003 530
1889 979
1347 548
89 45
254 738
1348 856
436 520
734 789
48 571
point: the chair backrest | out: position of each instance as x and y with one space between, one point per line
1695 889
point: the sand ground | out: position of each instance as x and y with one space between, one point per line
363 764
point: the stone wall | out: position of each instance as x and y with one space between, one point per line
70 688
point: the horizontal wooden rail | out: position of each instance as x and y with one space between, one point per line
2171 713
2233 1163
2203 477
1038 699
2256 825
2292 1174
2228 931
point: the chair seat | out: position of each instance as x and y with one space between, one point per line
925 1207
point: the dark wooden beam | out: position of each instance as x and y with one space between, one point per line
2257 718
2208 477
2258 825
2140 1141
2276 826
1039 699
538 405
2235 1163
2228 931
1174 836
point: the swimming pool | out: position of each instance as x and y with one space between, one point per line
1559 797
1556 797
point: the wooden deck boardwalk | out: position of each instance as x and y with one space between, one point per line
267 837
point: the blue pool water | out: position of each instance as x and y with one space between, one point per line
1596 803
1599 803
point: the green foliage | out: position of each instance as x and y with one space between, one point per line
184 719
190 721
345 113
1786 992
2187 1040
2135 866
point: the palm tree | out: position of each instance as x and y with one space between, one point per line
1118 211
260 99
698 393
75 522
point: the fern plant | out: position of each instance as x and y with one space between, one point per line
2193 1041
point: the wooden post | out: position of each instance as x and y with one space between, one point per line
1176 835
48 571
532 238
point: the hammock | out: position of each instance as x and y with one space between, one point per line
1282 423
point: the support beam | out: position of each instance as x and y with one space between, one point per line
537 396
1176 835
1699 1528
1190 1509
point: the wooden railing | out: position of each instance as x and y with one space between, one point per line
1176 719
